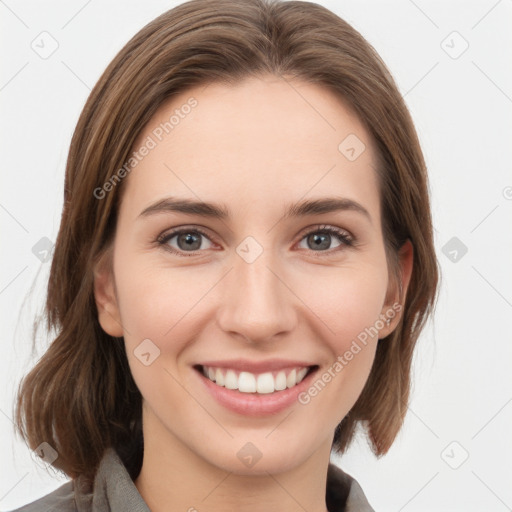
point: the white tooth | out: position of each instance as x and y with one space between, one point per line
280 381
301 374
246 382
265 383
219 378
231 381
291 379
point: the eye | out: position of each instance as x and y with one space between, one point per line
187 240
321 237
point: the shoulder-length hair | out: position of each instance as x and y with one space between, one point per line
81 397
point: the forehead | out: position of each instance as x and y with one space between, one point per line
256 144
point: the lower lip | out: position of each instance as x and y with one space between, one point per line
254 404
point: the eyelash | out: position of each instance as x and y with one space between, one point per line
346 239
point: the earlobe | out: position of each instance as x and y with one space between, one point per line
105 297
393 308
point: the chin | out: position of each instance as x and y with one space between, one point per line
259 457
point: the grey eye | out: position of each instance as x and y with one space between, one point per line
187 240
320 241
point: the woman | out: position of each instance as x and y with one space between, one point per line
244 264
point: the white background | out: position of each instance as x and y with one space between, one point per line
462 109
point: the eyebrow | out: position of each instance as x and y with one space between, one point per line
221 212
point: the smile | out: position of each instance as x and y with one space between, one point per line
251 388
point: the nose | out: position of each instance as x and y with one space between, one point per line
257 303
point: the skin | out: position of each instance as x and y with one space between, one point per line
253 147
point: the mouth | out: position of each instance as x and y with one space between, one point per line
269 388
265 383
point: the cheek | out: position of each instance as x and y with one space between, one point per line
156 302
159 304
351 315
347 302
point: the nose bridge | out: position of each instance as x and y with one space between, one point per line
255 302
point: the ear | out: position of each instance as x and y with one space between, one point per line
105 296
395 298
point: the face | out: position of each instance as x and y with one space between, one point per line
251 297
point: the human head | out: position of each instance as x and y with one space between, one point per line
196 43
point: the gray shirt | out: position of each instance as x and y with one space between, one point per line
114 491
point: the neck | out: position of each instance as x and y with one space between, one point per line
173 477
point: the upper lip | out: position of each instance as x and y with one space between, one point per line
256 366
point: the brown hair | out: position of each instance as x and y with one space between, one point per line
81 397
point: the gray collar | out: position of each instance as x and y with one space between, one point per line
113 488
